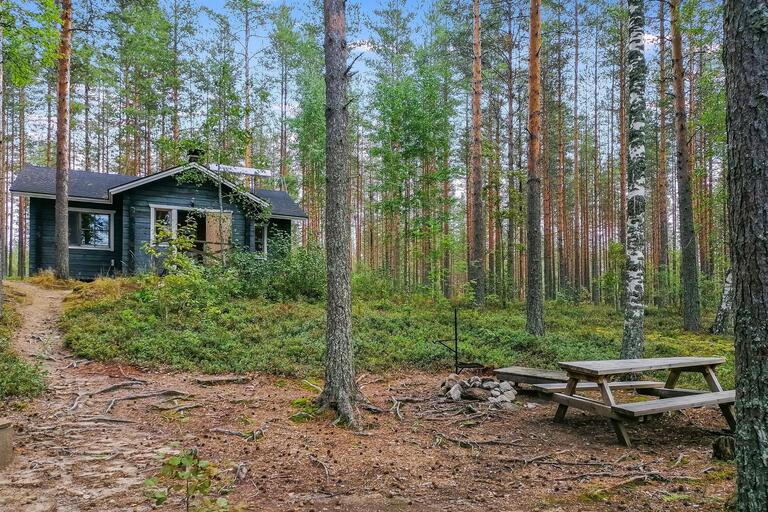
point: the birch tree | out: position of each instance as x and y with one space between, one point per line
746 63
633 339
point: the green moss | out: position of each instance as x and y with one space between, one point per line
18 378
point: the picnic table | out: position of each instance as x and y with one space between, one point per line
597 375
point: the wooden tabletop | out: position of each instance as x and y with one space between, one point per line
621 366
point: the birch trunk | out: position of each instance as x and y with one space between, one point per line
722 321
62 142
746 65
340 390
633 339
534 298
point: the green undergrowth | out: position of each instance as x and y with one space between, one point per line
18 378
192 323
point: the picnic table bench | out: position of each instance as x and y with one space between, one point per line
597 374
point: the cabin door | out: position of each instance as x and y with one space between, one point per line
218 231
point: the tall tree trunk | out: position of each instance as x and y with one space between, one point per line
561 214
2 167
722 321
62 142
534 297
746 65
689 274
477 233
247 86
577 239
21 252
633 339
661 179
340 390
623 156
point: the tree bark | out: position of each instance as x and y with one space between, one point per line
746 65
722 321
340 390
534 298
661 196
633 339
477 233
2 169
689 273
62 142
21 252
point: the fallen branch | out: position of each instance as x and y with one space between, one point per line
313 386
107 419
396 408
471 443
323 465
248 436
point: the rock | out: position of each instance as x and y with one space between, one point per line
531 405
503 398
505 386
453 376
488 379
511 394
475 382
475 394
724 448
455 392
507 406
490 384
495 392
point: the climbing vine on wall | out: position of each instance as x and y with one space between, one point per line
235 193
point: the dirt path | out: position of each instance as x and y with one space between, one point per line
74 455
67 458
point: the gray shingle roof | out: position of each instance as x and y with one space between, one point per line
282 204
38 180
82 184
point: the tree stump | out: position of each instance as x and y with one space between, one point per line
724 448
6 442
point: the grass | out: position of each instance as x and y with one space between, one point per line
187 325
18 378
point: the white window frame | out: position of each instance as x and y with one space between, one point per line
111 214
174 218
264 238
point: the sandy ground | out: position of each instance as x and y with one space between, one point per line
73 455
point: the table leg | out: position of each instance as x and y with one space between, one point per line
674 374
618 425
714 385
570 389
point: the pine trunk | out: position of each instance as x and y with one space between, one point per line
662 256
477 233
689 274
633 339
62 142
534 297
746 64
340 390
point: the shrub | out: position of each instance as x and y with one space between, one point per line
18 378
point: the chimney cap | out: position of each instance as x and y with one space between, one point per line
195 154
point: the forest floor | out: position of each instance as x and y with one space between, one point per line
72 454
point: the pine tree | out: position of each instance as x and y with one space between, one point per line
746 63
340 392
534 296
62 142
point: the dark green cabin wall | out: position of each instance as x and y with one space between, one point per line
83 263
132 228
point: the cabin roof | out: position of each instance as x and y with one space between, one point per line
37 181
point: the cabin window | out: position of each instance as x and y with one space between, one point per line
260 239
163 222
90 229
